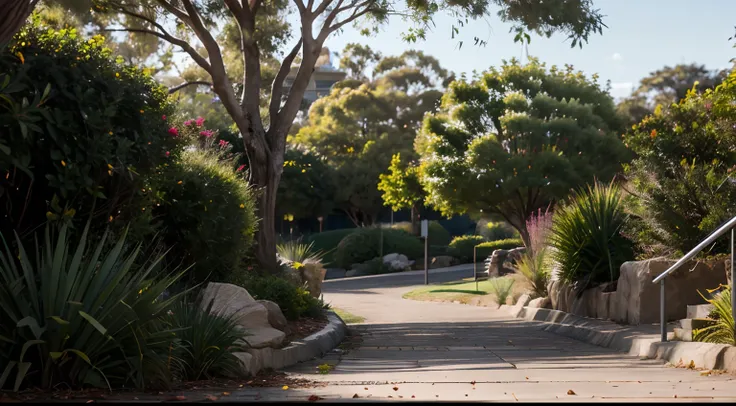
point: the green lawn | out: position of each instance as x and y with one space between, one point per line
348 317
463 291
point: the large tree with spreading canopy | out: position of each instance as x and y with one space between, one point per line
264 117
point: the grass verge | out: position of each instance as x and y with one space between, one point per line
348 317
464 291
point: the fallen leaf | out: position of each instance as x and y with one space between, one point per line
674 396
135 398
514 395
178 398
412 396
285 387
571 392
390 396
365 388
211 397
314 398
90 401
225 393
691 365
355 396
705 373
472 382
396 388
527 378
401 397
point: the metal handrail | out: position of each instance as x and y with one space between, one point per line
729 225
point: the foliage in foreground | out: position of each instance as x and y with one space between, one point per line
722 331
78 315
207 342
586 236
299 252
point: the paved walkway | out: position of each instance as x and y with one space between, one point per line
442 351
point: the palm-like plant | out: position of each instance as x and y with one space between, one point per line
721 332
586 237
533 266
295 251
208 342
83 316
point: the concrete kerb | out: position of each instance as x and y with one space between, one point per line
313 346
628 340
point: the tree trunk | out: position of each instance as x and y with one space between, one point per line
15 14
414 223
265 178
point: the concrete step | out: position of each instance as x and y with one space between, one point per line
682 334
692 324
700 311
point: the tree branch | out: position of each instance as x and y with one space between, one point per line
185 84
199 59
277 86
352 17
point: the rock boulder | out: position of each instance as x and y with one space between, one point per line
275 316
442 261
252 317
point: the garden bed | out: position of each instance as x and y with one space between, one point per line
303 328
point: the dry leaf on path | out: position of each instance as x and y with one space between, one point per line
396 388
211 397
355 396
571 392
314 398
178 398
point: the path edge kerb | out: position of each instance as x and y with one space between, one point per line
627 339
313 346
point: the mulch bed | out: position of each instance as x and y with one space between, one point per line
302 328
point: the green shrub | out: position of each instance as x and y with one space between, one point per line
78 124
77 315
722 331
586 236
207 342
327 241
438 235
683 172
365 244
461 247
501 288
207 214
498 231
534 268
294 301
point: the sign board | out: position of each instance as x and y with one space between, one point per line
425 228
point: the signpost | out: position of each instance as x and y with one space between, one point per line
483 274
425 235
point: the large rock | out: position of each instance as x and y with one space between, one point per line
503 261
275 316
313 274
397 262
638 299
540 303
442 261
252 317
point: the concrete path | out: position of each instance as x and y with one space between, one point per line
450 352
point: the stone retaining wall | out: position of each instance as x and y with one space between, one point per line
635 299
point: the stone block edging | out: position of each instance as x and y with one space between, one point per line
628 340
313 346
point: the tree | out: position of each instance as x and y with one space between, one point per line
666 86
360 126
356 58
516 140
307 188
683 174
191 26
401 188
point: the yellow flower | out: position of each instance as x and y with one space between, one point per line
109 166
285 387
63 163
141 111
653 134
20 56
179 182
117 75
110 133
242 206
304 171
110 218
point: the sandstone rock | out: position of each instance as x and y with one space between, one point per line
312 275
397 262
249 315
442 261
540 303
520 303
638 298
275 317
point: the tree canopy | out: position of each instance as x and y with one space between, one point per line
517 139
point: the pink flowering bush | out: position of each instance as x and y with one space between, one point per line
534 264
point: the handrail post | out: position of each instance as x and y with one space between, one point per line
662 318
733 273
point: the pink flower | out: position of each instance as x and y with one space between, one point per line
224 143
173 131
240 168
199 121
207 133
188 123
163 117
167 154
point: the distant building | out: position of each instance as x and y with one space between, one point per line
323 78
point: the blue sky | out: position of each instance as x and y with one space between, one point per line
642 36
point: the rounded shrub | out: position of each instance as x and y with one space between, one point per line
365 244
438 235
294 301
461 247
327 242
206 211
485 249
500 230
78 128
